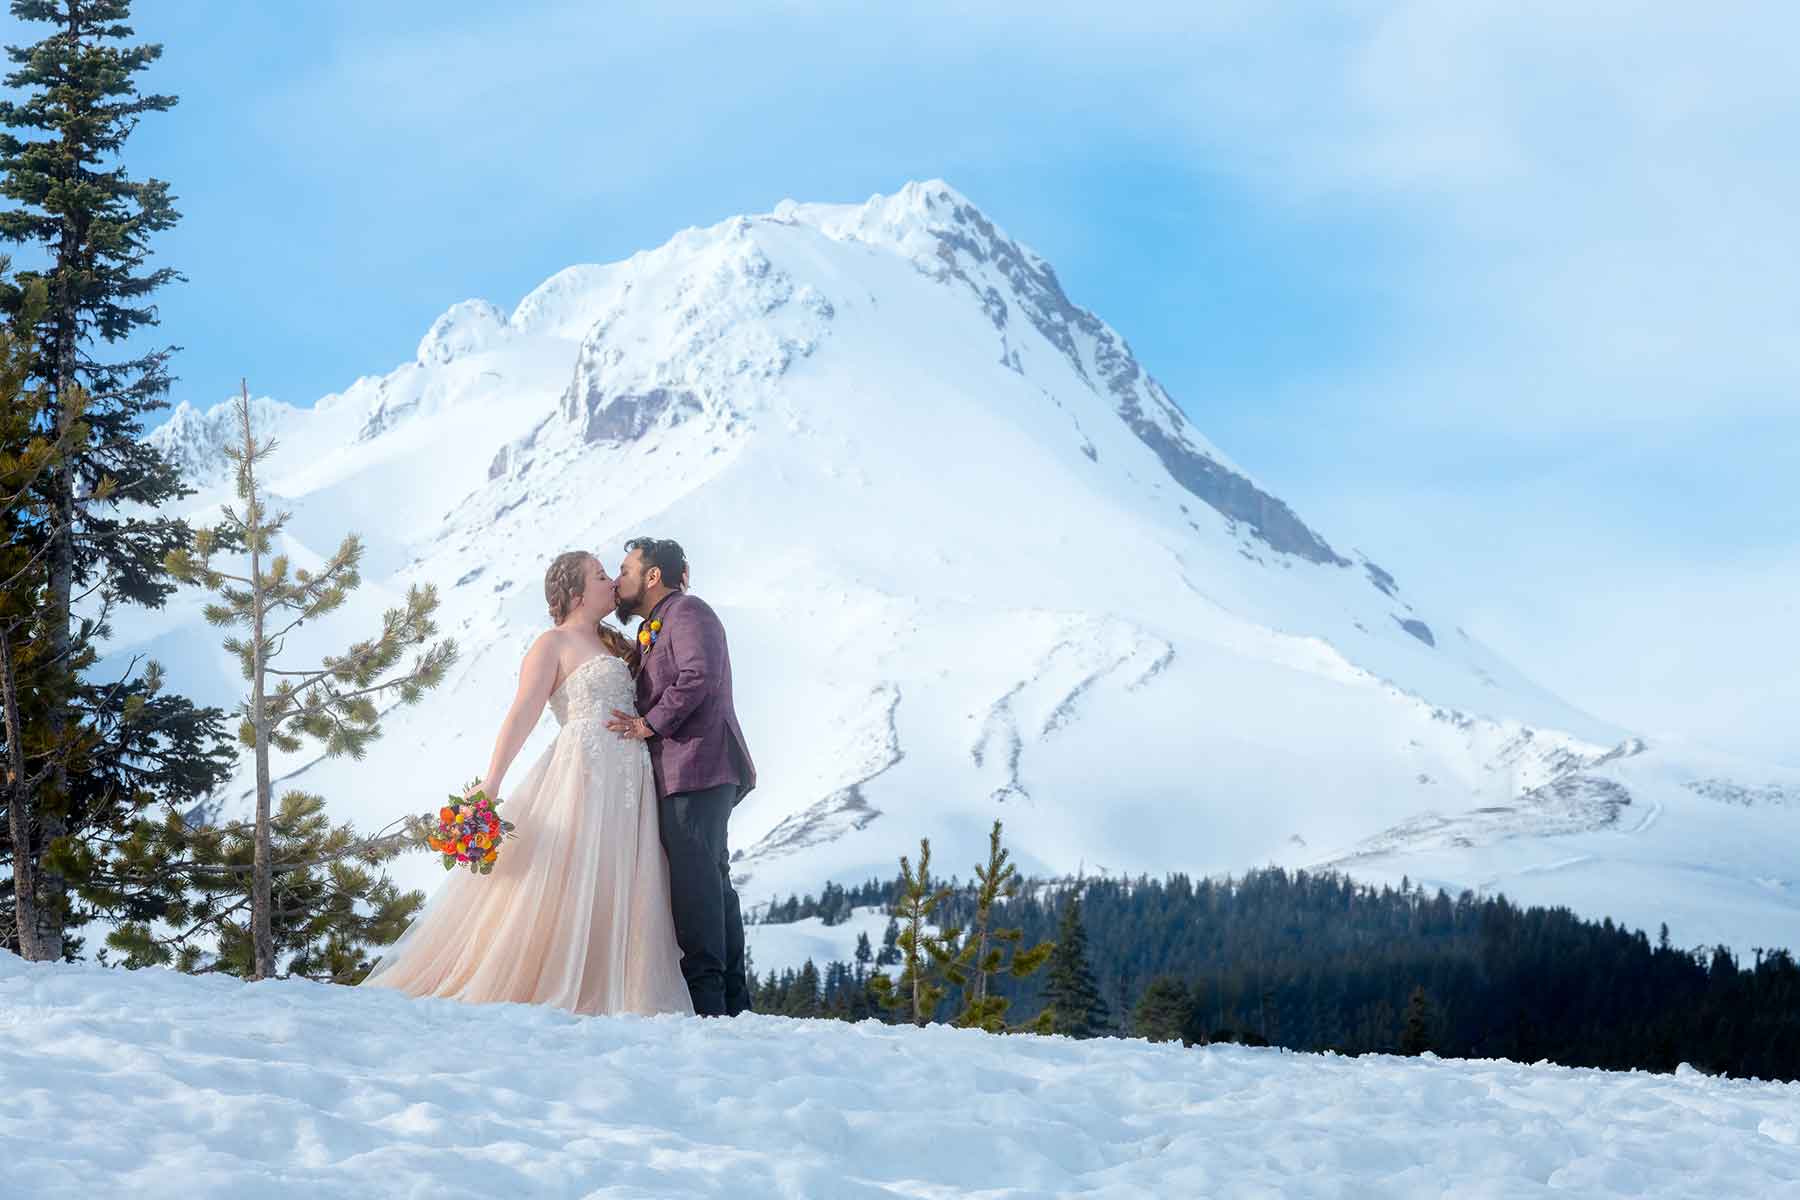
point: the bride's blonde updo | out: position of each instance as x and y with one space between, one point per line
565 582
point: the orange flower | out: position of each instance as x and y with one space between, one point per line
446 814
490 856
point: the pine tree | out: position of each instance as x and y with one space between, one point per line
985 951
136 748
928 956
804 996
29 450
865 957
890 945
76 105
329 905
332 702
1071 995
1164 1012
1415 1039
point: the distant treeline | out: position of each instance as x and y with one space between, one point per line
1319 962
832 905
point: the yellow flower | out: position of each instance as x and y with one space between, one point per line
656 626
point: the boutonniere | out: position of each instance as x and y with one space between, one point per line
648 633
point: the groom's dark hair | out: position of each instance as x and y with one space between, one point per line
663 553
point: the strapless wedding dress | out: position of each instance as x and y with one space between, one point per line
575 913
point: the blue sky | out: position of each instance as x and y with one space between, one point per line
1501 293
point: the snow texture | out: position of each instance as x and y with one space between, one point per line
153 1084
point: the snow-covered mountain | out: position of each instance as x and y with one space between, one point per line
974 561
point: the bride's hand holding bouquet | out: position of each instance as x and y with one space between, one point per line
469 830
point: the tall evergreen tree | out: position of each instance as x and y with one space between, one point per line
1415 1038
91 224
29 450
985 952
136 747
1164 1011
1072 997
332 702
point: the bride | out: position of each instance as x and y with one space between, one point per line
576 911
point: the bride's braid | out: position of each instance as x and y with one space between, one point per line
620 645
565 582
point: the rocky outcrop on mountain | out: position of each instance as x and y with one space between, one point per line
194 441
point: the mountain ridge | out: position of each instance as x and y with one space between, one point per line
975 562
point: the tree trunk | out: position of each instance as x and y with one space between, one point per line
49 905
49 902
262 878
18 810
979 990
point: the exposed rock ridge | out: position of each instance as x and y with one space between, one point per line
970 239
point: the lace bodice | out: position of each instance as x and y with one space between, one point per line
593 690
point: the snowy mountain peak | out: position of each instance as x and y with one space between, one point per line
975 562
466 328
705 323
194 441
909 219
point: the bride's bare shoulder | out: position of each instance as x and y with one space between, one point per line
546 650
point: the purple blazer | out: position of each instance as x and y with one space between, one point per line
684 692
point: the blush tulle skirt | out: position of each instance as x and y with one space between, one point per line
575 913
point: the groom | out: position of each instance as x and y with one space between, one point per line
701 764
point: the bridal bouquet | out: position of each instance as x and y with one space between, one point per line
469 830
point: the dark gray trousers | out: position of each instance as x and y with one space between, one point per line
708 923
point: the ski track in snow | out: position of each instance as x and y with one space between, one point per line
152 1084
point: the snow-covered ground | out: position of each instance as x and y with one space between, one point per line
791 943
153 1084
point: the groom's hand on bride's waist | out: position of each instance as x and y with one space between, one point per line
630 725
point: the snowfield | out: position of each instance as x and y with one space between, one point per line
153 1084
